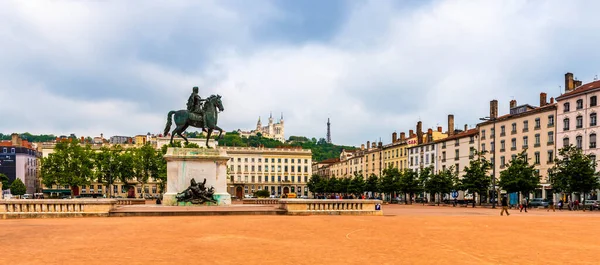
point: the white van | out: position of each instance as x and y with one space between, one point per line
27 196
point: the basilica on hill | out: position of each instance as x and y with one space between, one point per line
272 130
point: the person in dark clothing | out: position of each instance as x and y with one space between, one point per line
504 206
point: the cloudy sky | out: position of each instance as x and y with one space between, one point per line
373 67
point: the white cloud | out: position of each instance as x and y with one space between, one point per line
384 69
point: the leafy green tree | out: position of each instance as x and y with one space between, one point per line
519 176
316 184
357 184
409 184
262 193
4 180
441 183
332 185
574 172
425 174
389 182
476 178
107 162
18 187
372 184
126 169
161 171
70 164
189 145
145 164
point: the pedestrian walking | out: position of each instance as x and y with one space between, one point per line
504 206
551 206
524 205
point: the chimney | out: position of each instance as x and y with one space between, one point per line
373 145
394 137
576 83
411 133
552 100
513 103
130 140
380 145
429 135
543 101
368 145
494 109
466 127
569 84
362 147
439 128
419 132
82 140
15 139
402 136
450 124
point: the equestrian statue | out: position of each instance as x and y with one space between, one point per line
200 113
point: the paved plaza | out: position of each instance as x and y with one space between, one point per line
405 235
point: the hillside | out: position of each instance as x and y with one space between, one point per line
321 150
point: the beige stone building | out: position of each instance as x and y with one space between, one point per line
526 127
278 170
457 150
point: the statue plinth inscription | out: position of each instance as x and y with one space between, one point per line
185 165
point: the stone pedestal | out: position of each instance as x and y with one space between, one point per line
183 164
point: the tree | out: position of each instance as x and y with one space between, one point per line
262 193
107 162
409 184
126 169
389 183
18 187
4 180
145 163
519 176
574 172
441 183
316 184
357 184
425 174
476 178
70 164
372 184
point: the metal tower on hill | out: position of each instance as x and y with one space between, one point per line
328 131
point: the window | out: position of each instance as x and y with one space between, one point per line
260 160
550 120
502 161
443 157
537 140
493 147
492 132
483 147
593 140
514 128
456 154
246 168
525 126
239 160
4 150
593 157
566 124
471 152
482 134
272 160
537 158
305 169
565 141
537 123
579 141
550 156
550 137
580 104
502 130
278 160
593 101
285 160
457 142
525 141
512 157
252 168
246 160
579 123
502 146
593 119
566 106
443 146
513 144
12 150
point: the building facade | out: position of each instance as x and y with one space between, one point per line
20 160
577 117
526 128
457 150
273 130
278 170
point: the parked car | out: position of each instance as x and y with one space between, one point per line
592 204
537 202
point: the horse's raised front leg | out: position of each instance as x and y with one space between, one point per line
220 132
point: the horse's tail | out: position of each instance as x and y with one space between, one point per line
169 122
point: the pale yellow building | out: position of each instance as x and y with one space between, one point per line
278 170
396 154
527 128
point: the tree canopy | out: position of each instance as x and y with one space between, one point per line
573 171
519 176
476 178
18 187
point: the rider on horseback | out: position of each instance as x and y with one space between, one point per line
194 104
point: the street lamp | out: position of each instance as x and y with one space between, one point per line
493 160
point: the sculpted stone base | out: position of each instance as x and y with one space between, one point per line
184 164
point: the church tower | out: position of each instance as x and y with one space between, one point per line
258 125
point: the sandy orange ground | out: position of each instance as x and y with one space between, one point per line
406 235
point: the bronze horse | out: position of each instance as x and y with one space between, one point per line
207 121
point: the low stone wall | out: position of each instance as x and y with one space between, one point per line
55 208
130 201
330 207
261 201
